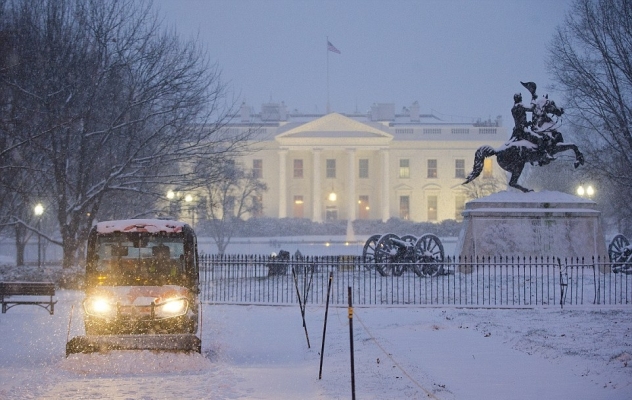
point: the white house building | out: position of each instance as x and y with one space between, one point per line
377 165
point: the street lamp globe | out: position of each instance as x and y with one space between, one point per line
590 191
580 190
171 195
39 210
188 198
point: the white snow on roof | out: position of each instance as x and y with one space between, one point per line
140 225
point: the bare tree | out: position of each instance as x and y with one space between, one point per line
591 58
484 187
110 104
232 193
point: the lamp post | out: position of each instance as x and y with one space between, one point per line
188 199
39 210
170 197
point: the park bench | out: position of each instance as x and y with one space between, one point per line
16 293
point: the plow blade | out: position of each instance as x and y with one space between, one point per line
103 343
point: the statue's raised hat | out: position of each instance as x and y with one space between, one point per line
531 87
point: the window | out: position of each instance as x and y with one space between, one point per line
487 131
257 206
363 207
459 168
297 207
432 168
405 131
331 213
460 131
229 206
364 168
257 169
459 206
432 131
487 168
331 168
298 168
432 208
404 207
404 168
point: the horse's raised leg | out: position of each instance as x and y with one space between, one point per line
579 157
513 182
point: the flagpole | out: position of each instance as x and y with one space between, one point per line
327 50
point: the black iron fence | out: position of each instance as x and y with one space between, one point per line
499 281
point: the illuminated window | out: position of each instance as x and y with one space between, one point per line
298 168
229 207
298 207
432 208
487 168
257 169
404 168
331 168
404 207
257 206
331 213
363 207
364 168
459 168
432 168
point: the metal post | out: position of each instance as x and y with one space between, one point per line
351 343
301 305
322 347
39 244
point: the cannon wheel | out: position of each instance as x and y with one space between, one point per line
430 255
398 267
616 250
384 250
368 252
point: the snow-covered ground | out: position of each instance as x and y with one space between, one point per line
260 352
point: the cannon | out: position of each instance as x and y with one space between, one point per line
620 252
391 254
278 264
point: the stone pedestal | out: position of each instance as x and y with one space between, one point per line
531 224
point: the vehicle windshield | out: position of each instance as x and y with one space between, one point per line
140 259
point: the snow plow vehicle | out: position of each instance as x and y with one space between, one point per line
141 288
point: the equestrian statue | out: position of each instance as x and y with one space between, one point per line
535 142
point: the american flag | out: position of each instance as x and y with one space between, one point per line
331 47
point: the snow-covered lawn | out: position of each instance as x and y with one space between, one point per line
261 352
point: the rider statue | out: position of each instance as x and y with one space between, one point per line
521 130
534 141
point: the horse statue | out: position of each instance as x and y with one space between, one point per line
513 155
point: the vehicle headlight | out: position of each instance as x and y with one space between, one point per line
171 308
99 307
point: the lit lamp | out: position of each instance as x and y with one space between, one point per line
587 191
332 196
39 211
171 195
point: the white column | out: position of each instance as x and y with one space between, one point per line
282 184
351 192
385 185
317 199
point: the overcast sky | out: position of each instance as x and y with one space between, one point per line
460 59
